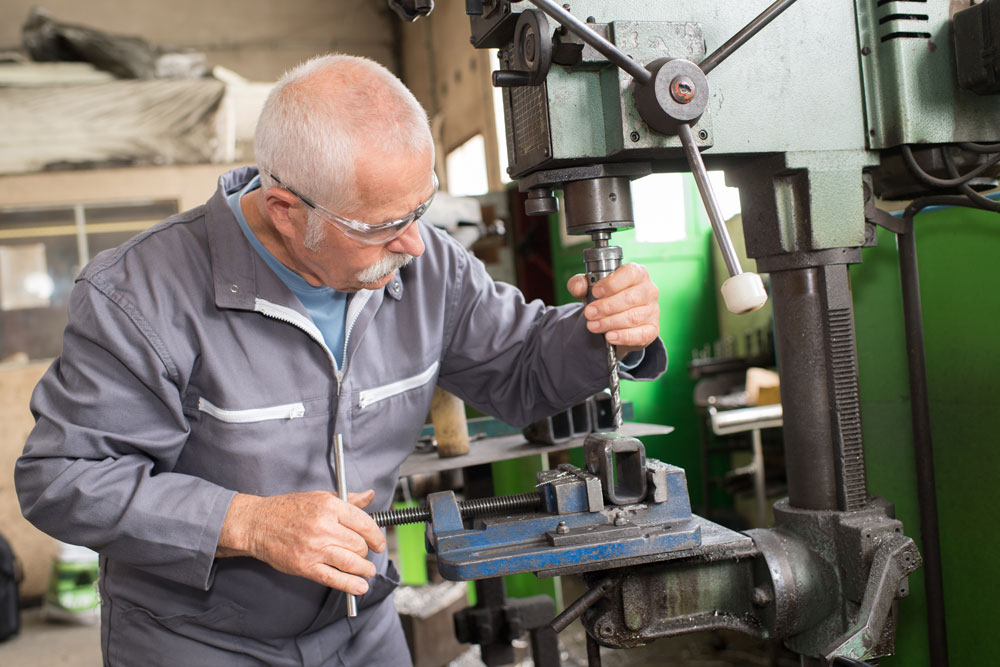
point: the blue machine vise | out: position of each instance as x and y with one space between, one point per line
623 507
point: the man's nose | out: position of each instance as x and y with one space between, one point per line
409 241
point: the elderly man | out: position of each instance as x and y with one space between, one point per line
185 432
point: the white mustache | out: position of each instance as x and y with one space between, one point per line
384 267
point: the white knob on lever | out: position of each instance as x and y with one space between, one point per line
742 292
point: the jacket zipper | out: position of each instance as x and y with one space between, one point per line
353 313
370 396
297 319
273 412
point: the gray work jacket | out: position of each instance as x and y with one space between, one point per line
190 372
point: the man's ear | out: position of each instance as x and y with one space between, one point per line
281 206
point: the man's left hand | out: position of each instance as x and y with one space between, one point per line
625 307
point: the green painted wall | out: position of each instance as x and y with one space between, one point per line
956 249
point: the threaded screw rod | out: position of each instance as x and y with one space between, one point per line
476 507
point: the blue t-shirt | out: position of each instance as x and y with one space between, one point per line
326 306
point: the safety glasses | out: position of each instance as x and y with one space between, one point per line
362 231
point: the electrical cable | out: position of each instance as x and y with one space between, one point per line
979 148
919 172
918 205
984 202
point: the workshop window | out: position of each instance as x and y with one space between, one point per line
42 250
466 167
664 203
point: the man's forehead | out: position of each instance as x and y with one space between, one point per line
393 188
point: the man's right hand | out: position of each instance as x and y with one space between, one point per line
312 534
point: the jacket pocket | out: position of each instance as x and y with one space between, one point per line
214 636
370 396
252 415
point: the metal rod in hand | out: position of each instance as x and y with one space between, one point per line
708 198
740 38
601 45
338 456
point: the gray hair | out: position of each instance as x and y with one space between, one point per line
323 113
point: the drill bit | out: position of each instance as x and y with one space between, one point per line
616 399
601 261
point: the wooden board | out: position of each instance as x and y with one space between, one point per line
34 548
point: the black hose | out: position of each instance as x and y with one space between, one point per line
933 181
923 452
979 148
976 198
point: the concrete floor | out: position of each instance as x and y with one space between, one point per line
43 643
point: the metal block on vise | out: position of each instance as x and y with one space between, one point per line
563 426
620 463
561 490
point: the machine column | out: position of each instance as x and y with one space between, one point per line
817 360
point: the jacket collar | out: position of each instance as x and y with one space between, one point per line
239 273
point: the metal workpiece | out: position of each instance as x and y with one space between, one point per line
620 464
561 490
597 413
598 204
814 326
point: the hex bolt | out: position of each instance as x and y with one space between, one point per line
620 518
682 89
762 596
562 528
